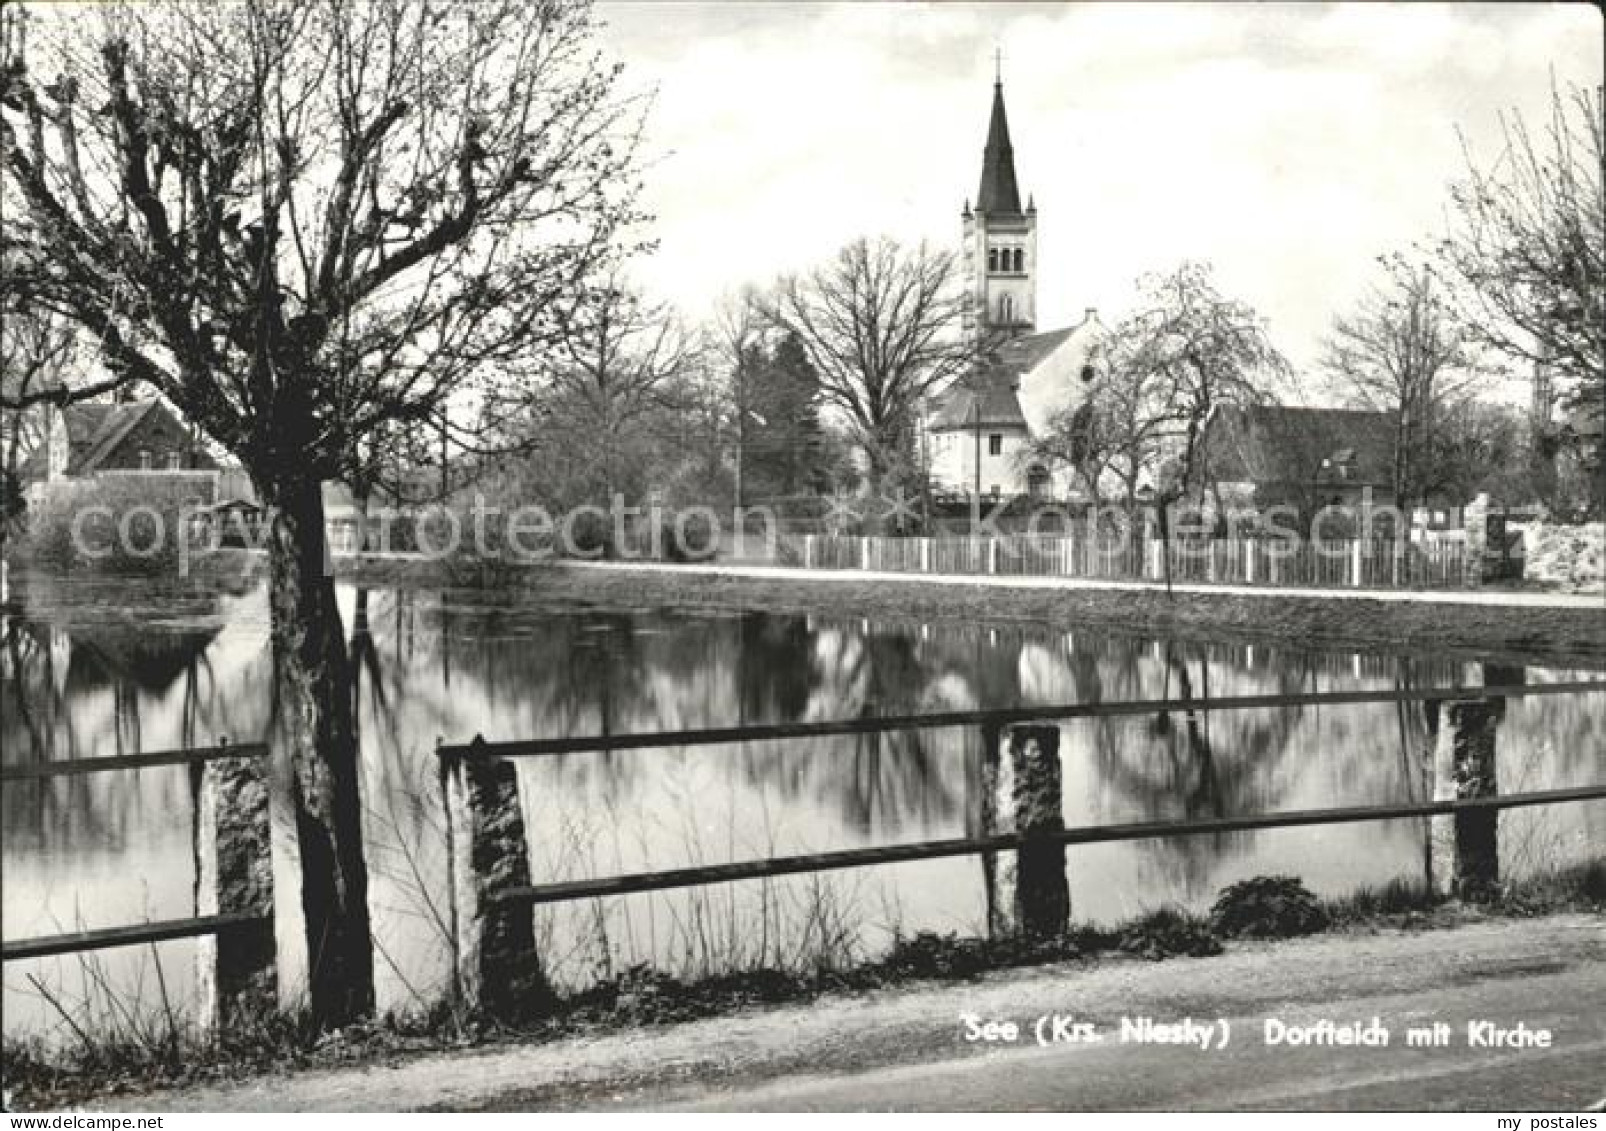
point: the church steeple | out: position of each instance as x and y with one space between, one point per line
1000 240
998 191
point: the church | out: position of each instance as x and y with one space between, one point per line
978 433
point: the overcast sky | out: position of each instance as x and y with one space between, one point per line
1287 144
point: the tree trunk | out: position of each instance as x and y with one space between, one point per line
880 474
314 729
361 496
13 505
1402 441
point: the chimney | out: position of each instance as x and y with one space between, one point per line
1092 314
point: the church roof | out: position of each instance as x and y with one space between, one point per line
1023 354
998 191
999 408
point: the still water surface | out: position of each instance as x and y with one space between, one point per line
96 668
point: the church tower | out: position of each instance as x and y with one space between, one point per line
1000 240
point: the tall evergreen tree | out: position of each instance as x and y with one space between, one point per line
783 438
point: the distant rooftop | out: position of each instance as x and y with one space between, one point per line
1283 443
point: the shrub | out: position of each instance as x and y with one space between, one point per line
1268 907
930 955
1592 881
694 539
1400 896
120 523
1566 555
644 995
1169 932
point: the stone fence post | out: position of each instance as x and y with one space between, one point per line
496 968
237 974
1465 845
1028 893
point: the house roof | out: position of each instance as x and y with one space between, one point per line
998 402
998 191
1291 443
94 429
231 504
114 429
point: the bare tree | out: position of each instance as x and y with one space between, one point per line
738 333
620 366
36 354
306 224
1188 349
1480 446
1402 351
881 326
1185 352
1526 253
1115 433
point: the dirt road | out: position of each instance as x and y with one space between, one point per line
906 1047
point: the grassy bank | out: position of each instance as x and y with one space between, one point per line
1265 908
1499 632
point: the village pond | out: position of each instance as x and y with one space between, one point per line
100 667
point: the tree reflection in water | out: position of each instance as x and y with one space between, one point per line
1197 764
89 672
83 693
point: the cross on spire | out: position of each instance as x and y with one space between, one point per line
998 65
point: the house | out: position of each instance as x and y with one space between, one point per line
1029 376
93 438
1271 455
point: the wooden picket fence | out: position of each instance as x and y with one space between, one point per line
1352 563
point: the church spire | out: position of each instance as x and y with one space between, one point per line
1000 241
998 192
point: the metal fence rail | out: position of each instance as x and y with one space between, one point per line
138 934
788 865
135 934
969 846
